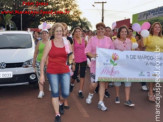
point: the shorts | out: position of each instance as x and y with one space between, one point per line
38 70
127 84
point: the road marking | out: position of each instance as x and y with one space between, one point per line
79 106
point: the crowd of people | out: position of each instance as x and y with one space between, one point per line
61 59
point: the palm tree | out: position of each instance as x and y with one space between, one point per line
8 21
85 24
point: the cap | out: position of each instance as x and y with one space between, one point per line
45 30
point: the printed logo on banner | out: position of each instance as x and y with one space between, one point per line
110 70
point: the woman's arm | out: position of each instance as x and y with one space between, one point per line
35 54
43 60
91 55
142 44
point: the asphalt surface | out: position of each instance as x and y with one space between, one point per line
20 104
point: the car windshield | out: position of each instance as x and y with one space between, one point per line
15 41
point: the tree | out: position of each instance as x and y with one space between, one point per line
9 22
30 20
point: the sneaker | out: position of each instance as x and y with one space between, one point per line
40 95
129 103
71 87
117 100
102 107
80 94
61 109
89 99
107 94
57 118
144 88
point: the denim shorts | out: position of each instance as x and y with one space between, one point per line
59 82
127 84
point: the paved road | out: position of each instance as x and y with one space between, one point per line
20 104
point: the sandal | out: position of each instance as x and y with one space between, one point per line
151 98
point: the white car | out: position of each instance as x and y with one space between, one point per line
16 56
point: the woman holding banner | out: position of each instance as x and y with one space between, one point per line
122 43
153 43
99 41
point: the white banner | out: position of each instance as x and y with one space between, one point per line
132 66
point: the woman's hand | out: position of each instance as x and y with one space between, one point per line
73 67
94 56
42 80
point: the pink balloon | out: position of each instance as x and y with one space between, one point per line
136 27
145 26
48 26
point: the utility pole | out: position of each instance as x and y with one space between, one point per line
102 9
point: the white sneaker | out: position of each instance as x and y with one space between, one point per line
89 99
40 95
102 106
144 88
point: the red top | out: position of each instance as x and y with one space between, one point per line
57 60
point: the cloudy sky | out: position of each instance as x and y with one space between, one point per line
115 10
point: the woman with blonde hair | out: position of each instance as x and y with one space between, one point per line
151 43
58 72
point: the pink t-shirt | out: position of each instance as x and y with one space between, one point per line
94 43
120 45
79 51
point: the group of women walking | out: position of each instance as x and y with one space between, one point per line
56 55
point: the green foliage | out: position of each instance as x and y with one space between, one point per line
159 19
72 19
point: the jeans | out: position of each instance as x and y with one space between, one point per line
59 81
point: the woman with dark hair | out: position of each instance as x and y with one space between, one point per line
99 41
151 43
36 37
138 38
108 32
37 57
122 43
80 59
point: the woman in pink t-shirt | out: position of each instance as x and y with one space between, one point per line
99 41
80 59
122 43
